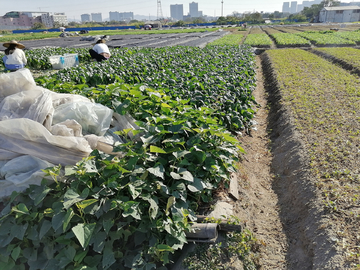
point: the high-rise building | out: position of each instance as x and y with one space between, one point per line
293 7
177 12
59 18
286 7
96 17
114 16
193 10
121 16
126 16
85 18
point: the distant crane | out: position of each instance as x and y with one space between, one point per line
159 10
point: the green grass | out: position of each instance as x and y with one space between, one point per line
324 100
258 40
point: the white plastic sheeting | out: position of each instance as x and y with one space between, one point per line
40 129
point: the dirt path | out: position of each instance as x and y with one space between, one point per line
258 205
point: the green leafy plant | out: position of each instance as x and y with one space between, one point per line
123 213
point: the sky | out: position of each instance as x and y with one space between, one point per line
74 8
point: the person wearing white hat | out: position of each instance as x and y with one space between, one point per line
100 51
14 58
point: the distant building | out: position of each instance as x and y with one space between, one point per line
126 16
85 18
26 19
286 7
59 18
96 17
121 16
193 10
293 7
340 14
177 12
114 16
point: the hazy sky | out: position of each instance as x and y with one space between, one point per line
74 8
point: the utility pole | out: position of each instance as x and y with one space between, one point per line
222 7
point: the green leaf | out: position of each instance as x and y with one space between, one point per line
80 256
45 227
15 253
186 175
7 265
71 197
155 149
41 196
83 233
108 258
86 203
99 241
18 231
175 175
58 220
70 252
170 202
67 218
21 208
163 247
157 171
131 209
196 186
107 224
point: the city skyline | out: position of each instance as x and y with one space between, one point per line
139 7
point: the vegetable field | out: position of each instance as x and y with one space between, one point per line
133 212
194 105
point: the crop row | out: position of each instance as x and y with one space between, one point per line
258 40
286 40
221 78
349 56
320 39
324 100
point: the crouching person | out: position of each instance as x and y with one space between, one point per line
100 51
14 58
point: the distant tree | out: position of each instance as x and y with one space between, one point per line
38 25
312 12
255 18
221 20
297 17
198 20
74 24
179 23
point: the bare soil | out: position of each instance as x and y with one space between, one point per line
258 207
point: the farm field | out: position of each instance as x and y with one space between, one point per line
206 116
347 57
322 100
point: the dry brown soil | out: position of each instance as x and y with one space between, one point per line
258 204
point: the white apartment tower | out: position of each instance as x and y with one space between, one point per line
177 12
194 10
